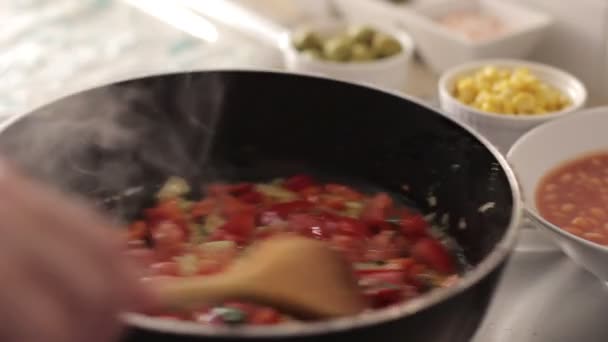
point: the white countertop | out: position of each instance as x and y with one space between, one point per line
50 48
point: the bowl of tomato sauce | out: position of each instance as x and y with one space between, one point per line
200 166
562 168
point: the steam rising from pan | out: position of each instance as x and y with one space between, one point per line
88 153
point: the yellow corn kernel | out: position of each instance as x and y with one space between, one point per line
524 103
509 91
490 73
488 107
508 107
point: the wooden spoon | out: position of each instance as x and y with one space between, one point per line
297 275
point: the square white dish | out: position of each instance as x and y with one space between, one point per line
442 48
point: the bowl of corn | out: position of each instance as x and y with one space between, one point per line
503 99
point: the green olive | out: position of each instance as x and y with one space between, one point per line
361 52
362 34
313 53
306 40
337 49
384 45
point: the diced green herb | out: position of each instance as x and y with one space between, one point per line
230 315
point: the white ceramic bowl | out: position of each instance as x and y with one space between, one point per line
390 73
548 146
503 130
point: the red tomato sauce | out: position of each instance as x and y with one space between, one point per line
574 197
394 254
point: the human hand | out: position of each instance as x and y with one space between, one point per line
62 274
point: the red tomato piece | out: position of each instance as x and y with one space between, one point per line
350 226
241 224
298 182
392 277
229 189
137 231
264 316
168 238
285 209
384 297
311 193
407 263
332 202
413 225
434 254
413 273
377 208
251 197
167 211
164 268
343 191
203 207
308 225
231 206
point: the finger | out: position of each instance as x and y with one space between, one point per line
29 314
78 225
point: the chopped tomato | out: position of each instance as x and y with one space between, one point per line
392 277
229 189
350 226
298 182
308 225
385 296
168 238
333 202
203 207
241 224
251 197
231 206
343 191
137 231
377 208
284 209
311 193
413 225
434 254
166 210
264 316
360 227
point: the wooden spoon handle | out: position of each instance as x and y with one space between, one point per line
188 293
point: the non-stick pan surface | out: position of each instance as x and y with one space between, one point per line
234 125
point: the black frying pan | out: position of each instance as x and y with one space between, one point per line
256 125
